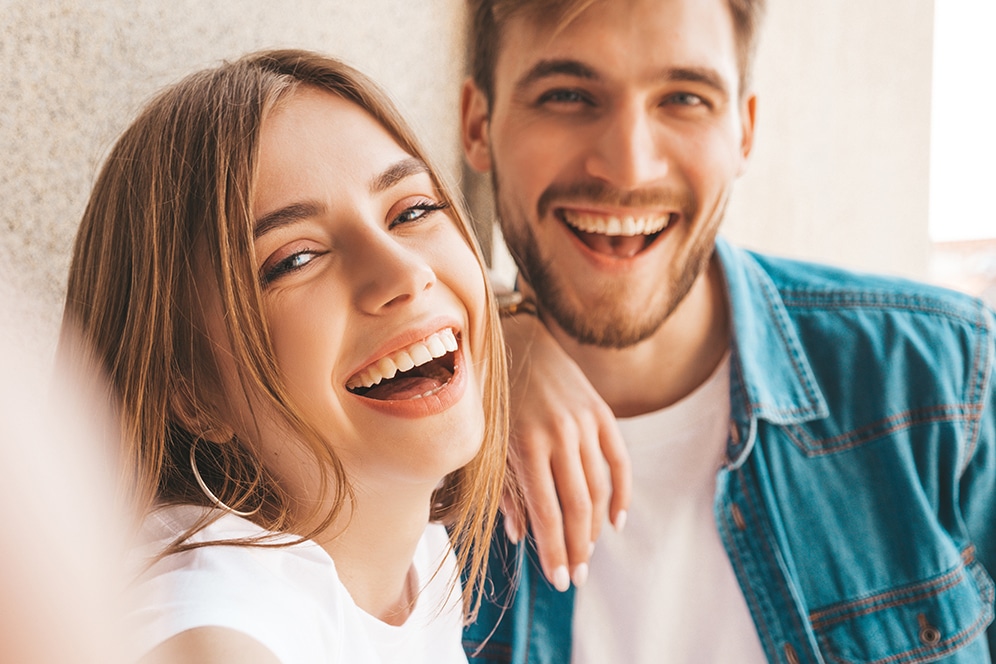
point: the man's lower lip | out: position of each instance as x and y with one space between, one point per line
615 247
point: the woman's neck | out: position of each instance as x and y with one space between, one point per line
373 545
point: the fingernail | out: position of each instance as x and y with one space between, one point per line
620 521
561 579
511 530
591 549
580 575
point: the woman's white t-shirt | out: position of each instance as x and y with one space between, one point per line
290 598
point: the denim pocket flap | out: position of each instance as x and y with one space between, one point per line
920 622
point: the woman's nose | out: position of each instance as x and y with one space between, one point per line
390 272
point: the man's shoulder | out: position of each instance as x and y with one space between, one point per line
846 356
806 286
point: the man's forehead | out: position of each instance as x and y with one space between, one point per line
547 20
601 35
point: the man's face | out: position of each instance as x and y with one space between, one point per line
613 144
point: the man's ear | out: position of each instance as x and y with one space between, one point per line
748 116
474 126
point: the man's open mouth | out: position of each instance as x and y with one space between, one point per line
621 237
419 370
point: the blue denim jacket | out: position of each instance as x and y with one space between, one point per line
858 502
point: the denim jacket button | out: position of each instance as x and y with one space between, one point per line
929 635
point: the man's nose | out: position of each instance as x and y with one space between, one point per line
628 153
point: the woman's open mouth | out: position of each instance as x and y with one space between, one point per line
417 371
619 237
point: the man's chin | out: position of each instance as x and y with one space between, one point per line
609 327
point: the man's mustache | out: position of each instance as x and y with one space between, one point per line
599 193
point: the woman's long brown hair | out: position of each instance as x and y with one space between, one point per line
176 191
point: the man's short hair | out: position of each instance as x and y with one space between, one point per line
488 17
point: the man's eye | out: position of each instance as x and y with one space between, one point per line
417 212
686 99
564 96
273 271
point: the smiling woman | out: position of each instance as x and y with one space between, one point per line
294 317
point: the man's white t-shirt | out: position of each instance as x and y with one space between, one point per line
663 590
290 599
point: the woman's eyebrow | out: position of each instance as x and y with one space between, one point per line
285 215
389 177
397 172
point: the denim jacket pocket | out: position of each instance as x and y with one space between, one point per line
923 622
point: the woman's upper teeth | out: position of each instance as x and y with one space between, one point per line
419 353
626 226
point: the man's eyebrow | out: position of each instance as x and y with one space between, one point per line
396 173
561 67
284 216
577 69
704 75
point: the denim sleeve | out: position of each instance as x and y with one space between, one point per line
978 481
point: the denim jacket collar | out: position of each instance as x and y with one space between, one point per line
770 377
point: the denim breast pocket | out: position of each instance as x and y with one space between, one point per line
943 618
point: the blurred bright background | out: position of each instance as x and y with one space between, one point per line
963 147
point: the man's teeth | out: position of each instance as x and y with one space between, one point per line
419 353
626 226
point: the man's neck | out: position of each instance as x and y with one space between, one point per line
668 366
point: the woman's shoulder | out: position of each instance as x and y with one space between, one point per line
284 594
166 524
288 597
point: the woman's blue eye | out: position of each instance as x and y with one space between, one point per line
417 212
292 263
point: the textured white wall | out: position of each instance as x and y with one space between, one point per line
841 166
74 73
839 173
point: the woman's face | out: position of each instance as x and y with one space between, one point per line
374 300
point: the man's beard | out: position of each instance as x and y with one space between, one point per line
606 321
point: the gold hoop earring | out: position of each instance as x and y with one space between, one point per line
210 494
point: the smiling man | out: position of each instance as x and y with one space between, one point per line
813 451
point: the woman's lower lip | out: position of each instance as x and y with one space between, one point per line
439 400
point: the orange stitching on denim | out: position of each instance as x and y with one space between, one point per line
776 306
931 652
750 596
896 597
765 539
976 395
898 422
